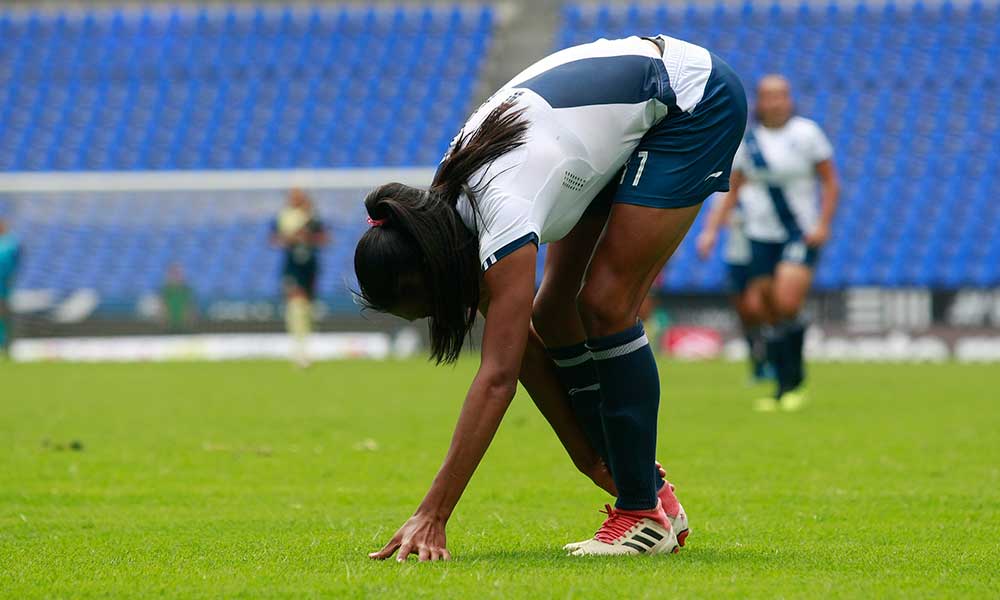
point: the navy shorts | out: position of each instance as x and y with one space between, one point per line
737 278
765 256
686 157
300 275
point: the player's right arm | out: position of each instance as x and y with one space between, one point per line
538 376
277 240
720 215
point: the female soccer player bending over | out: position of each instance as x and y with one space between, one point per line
605 151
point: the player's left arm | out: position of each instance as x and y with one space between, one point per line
510 284
540 380
319 234
829 185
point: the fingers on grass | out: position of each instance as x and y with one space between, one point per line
386 551
404 551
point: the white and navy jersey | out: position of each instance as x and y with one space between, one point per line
780 199
587 107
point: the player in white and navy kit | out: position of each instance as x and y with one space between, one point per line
606 152
786 185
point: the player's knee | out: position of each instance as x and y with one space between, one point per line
787 305
604 307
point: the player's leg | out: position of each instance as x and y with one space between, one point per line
750 323
677 164
558 324
765 258
298 313
792 281
635 246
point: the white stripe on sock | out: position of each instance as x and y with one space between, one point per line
572 362
622 350
589 388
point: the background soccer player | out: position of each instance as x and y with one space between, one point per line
783 166
301 234
10 253
736 256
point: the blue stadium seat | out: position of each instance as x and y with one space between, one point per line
145 81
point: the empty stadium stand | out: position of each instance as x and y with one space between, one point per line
234 88
908 94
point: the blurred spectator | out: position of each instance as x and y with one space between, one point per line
10 254
179 305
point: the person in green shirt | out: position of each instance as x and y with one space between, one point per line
178 299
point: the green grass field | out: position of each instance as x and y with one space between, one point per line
254 480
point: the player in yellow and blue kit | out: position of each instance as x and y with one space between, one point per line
301 234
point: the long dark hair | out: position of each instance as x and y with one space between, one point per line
418 243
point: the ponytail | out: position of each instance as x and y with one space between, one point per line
419 251
502 131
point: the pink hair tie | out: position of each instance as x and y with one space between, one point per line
375 222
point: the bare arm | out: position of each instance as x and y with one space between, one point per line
320 236
829 185
511 283
720 215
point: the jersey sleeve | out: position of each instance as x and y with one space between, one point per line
820 148
504 225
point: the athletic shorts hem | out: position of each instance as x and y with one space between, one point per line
662 202
766 256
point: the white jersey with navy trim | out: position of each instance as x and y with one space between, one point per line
587 107
791 153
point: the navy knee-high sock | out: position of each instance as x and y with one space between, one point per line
575 367
774 338
784 351
630 391
757 351
795 334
